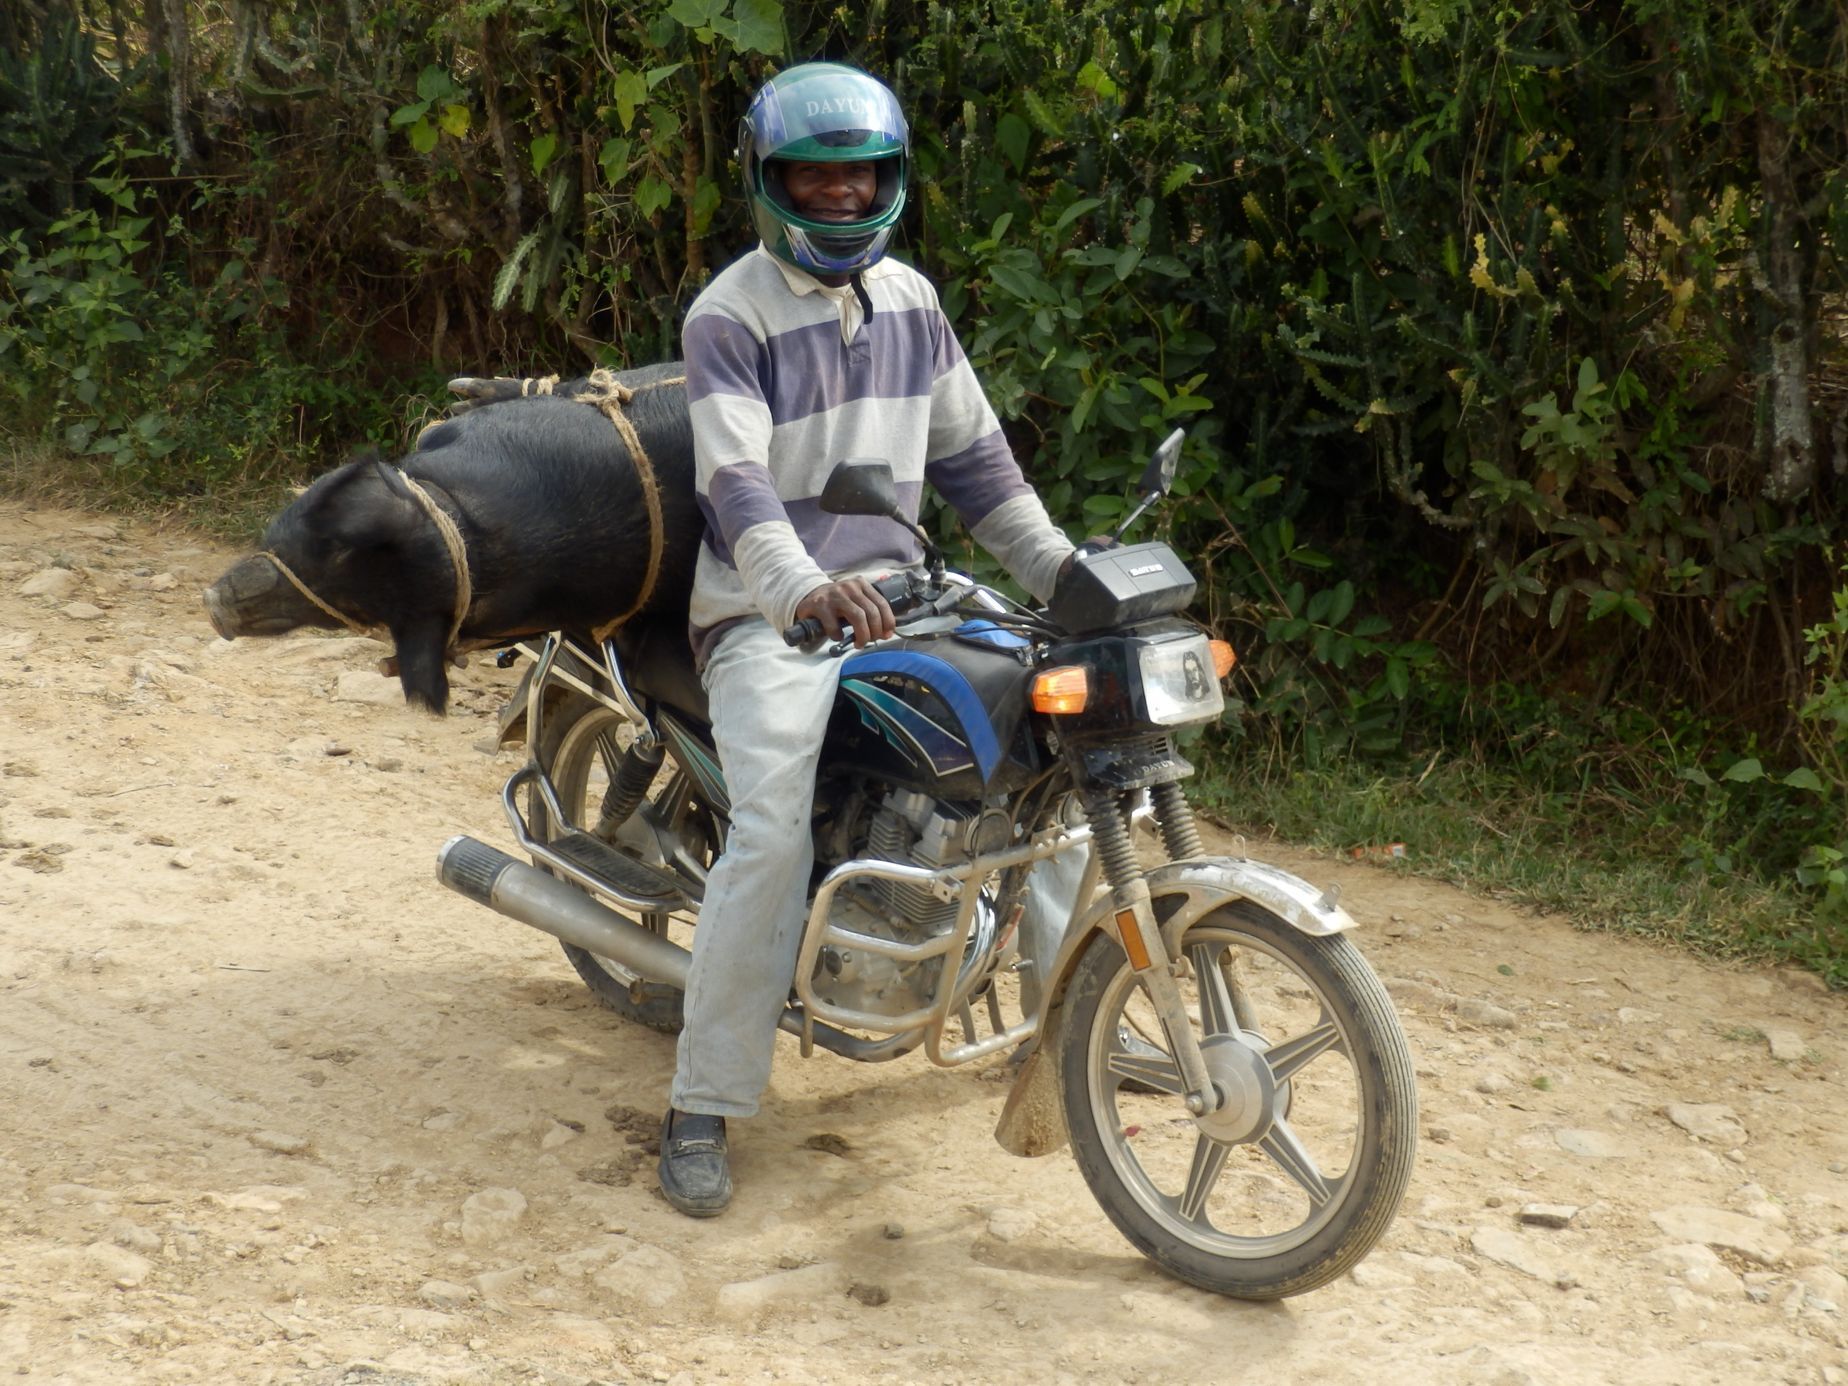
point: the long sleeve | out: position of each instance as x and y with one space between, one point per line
973 469
747 524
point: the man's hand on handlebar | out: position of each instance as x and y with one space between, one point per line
851 602
1096 544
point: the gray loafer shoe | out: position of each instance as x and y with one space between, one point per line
695 1168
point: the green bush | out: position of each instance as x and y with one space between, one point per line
170 390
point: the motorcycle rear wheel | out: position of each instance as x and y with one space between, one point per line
580 744
1299 1175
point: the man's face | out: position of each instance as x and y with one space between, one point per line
831 192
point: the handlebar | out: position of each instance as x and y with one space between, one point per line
901 591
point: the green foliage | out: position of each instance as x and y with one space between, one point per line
126 368
1822 717
1578 822
58 112
1794 822
1078 257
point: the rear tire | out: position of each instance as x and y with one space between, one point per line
1295 1180
580 746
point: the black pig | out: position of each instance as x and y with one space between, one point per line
551 515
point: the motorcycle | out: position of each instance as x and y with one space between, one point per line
1229 1072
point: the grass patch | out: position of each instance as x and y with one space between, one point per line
38 473
1595 858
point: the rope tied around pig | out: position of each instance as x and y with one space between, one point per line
606 394
458 555
603 392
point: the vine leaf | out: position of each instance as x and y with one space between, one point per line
509 273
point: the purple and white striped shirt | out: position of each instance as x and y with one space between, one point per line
784 380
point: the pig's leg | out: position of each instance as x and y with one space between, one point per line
421 670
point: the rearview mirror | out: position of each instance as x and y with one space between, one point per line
861 486
1158 477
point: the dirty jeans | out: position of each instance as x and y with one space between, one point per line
770 707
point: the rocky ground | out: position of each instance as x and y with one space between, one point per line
281 1109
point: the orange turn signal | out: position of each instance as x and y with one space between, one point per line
1223 657
1065 689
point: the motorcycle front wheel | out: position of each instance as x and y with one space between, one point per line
582 746
1298 1174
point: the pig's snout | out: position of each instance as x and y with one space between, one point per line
252 599
215 612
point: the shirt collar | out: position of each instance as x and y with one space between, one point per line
846 302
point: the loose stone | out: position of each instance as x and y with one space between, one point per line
1750 1238
365 686
489 1216
1485 1013
747 1299
1786 1046
1514 1251
647 1276
1713 1122
281 1143
1011 1224
1591 1145
1548 1214
1696 1266
56 583
124 1268
444 1294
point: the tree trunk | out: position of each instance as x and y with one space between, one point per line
1790 449
179 81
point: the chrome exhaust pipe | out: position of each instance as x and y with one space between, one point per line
509 886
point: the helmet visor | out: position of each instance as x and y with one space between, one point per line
821 113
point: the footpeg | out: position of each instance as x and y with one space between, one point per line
634 882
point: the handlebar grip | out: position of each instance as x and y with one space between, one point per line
896 588
804 632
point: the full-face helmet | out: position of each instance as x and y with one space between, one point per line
824 113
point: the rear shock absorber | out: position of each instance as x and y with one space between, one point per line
629 785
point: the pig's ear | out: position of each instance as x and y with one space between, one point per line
370 508
394 480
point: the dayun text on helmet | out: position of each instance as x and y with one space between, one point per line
844 105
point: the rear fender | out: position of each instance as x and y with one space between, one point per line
568 668
513 712
1181 893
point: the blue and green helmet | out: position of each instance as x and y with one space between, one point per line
824 113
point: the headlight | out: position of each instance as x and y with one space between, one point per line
1177 682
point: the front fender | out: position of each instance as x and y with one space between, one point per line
1181 893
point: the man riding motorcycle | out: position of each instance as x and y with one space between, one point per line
811 348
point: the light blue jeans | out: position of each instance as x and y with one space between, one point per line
770 707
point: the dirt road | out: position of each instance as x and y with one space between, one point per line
280 1109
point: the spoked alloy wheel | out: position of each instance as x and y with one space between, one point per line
583 744
1298 1174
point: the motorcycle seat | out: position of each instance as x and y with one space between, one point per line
657 659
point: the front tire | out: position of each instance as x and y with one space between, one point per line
581 746
1299 1174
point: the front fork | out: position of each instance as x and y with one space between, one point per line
1139 932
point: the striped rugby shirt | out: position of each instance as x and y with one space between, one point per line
785 379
